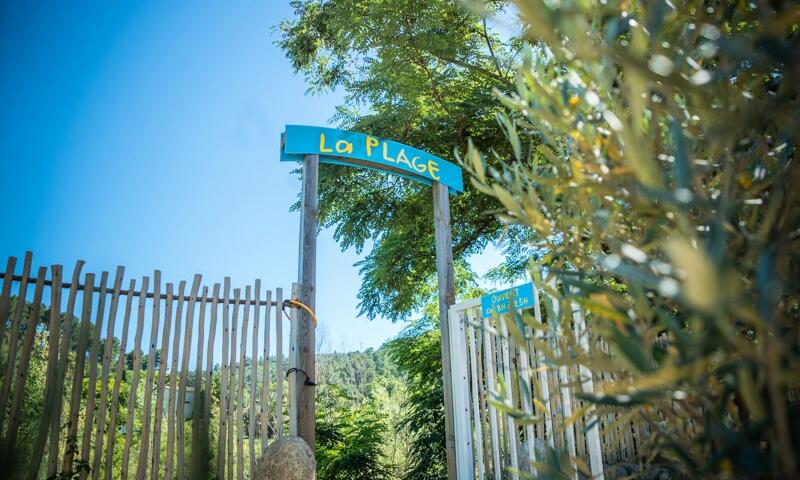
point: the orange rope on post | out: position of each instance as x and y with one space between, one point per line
298 304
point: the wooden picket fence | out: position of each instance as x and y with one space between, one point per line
494 445
82 395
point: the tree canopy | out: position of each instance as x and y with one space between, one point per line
422 73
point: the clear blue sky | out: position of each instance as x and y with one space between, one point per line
146 134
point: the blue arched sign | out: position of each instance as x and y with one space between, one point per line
367 151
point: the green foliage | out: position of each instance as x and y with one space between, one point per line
350 439
355 375
654 169
417 354
358 408
422 73
393 394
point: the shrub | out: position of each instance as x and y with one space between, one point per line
655 171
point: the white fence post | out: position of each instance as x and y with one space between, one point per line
461 413
476 400
563 381
587 385
489 369
543 374
525 383
511 427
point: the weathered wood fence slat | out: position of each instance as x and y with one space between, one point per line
88 394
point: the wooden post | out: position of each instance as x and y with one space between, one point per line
307 275
447 297
278 364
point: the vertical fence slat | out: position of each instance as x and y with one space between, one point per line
511 429
608 434
555 409
107 353
294 363
22 371
484 421
223 396
254 375
587 385
499 374
51 388
473 366
173 383
187 343
112 425
11 358
265 385
134 382
278 363
199 461
518 400
5 296
77 374
144 438
232 396
212 331
544 381
526 397
490 386
162 378
88 419
563 381
497 362
199 454
240 386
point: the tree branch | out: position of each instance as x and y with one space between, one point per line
486 37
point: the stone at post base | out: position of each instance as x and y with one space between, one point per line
288 458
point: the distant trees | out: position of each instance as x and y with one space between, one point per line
417 354
358 401
350 439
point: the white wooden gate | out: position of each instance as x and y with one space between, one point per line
487 365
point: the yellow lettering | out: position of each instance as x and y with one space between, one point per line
322 147
433 167
343 146
420 167
371 142
401 157
386 153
